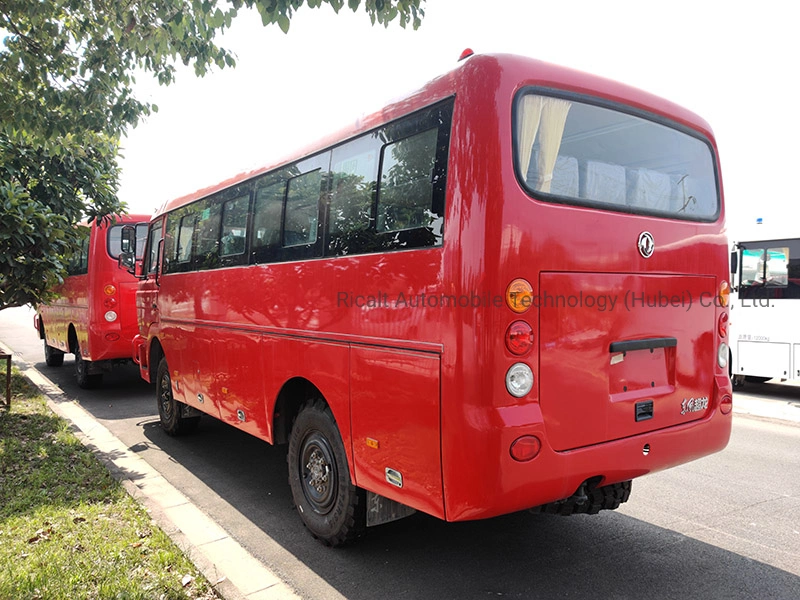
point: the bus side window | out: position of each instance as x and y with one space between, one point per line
234 226
205 253
141 238
183 252
406 188
267 217
354 171
302 210
152 257
79 262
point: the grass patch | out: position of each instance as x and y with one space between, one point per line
67 528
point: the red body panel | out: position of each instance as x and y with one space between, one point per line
80 305
418 387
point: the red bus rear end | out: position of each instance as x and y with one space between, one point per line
94 315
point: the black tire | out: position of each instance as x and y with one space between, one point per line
330 506
82 367
170 411
53 357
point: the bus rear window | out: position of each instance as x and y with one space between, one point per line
569 151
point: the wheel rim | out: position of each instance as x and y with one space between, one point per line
165 396
318 473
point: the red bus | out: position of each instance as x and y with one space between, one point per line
505 291
94 316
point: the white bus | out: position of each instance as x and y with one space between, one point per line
765 330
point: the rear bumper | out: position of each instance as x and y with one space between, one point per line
508 486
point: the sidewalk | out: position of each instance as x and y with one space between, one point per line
234 572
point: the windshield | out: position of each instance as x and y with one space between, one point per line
569 151
770 269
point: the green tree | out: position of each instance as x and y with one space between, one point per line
67 72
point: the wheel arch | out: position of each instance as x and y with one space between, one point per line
72 338
291 398
154 356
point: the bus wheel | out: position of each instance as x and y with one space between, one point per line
53 357
331 507
85 380
170 411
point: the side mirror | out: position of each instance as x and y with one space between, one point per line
127 261
734 261
128 241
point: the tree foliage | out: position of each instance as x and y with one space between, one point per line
66 96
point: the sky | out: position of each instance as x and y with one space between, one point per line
735 64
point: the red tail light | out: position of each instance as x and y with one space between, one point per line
722 325
519 338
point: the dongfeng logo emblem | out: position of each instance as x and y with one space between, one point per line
646 244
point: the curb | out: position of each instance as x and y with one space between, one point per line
230 569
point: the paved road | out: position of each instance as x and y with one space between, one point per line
726 526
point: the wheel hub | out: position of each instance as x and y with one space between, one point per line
318 471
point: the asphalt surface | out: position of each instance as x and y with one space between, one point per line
725 526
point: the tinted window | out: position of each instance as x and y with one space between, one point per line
381 191
153 244
267 217
234 226
78 262
354 173
406 191
302 209
402 206
206 245
183 252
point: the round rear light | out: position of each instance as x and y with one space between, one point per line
722 355
519 295
519 338
110 316
726 404
110 302
519 380
722 325
724 293
110 290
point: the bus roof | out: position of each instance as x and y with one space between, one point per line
504 70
